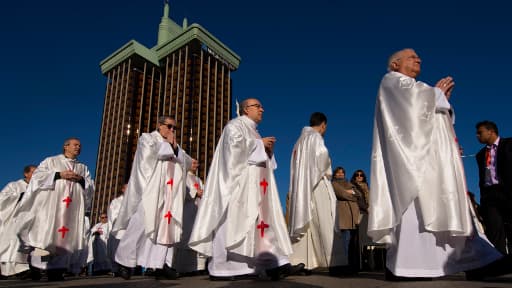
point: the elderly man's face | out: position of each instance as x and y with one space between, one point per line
168 129
72 148
409 63
254 110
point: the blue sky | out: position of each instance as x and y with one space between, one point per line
297 57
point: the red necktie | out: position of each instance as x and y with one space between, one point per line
488 157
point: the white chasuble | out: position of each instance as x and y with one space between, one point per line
51 214
9 198
241 199
156 182
312 223
418 184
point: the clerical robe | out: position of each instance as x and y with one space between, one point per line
9 198
51 214
188 259
97 252
419 206
113 241
316 240
240 216
152 208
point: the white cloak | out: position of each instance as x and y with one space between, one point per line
417 175
97 252
50 215
241 189
9 197
113 211
189 260
312 223
156 182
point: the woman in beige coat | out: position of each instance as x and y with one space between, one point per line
348 215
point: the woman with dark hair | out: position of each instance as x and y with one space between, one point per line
348 215
366 244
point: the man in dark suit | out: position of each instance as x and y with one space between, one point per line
495 172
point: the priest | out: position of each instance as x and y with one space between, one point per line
419 205
316 239
152 208
50 220
240 223
9 198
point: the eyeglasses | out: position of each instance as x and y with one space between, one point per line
360 174
103 217
258 106
170 126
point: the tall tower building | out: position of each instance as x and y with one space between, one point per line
187 75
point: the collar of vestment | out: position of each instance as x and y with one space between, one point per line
249 121
158 135
68 159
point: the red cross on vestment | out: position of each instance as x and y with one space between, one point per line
170 182
168 215
67 200
264 184
262 227
63 230
196 185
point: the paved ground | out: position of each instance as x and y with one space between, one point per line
363 280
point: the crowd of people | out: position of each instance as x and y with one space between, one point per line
233 227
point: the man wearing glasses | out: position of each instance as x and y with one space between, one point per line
419 205
97 254
152 209
240 223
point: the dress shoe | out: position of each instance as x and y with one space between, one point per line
55 274
125 272
167 273
285 270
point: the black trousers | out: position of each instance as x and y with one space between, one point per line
496 211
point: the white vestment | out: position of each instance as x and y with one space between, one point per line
51 214
188 259
113 242
9 197
97 252
152 208
240 222
316 239
418 184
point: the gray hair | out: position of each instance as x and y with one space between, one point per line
243 105
66 142
393 58
161 119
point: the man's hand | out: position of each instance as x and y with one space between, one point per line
446 85
70 175
268 142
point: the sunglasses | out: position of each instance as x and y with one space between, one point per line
360 174
171 126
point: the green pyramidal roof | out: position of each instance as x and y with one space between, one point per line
171 37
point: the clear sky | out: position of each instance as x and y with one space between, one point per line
297 57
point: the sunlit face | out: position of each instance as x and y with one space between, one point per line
409 63
103 218
168 129
340 174
484 135
254 110
194 166
28 175
359 176
72 148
